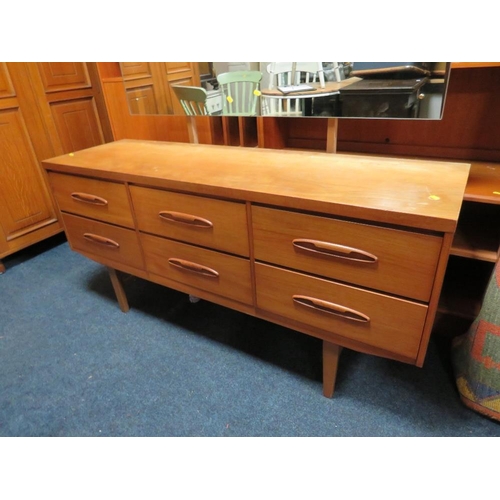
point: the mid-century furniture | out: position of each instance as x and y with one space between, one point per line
348 249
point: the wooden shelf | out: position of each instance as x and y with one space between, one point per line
478 232
484 183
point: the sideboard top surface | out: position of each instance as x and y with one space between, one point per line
424 194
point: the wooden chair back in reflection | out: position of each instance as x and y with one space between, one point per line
240 92
282 74
192 99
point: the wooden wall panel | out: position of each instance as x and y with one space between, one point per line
152 127
72 99
148 84
128 126
136 70
145 88
142 100
57 76
179 67
77 123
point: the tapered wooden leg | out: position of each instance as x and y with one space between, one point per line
119 290
2 267
331 355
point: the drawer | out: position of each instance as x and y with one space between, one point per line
372 318
208 270
103 240
395 261
217 224
102 200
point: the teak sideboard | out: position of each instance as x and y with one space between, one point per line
349 249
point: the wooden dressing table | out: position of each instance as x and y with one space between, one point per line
348 249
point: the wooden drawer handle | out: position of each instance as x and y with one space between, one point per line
89 198
334 250
331 308
191 220
95 238
186 265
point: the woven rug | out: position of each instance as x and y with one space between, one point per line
476 355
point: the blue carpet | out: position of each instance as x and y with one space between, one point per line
72 364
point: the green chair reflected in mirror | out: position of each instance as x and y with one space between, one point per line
283 74
192 99
240 92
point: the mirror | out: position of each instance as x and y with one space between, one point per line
400 90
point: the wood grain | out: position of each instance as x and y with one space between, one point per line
116 210
127 252
402 257
233 279
229 230
394 324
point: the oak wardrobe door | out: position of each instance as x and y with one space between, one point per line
72 97
26 207
46 109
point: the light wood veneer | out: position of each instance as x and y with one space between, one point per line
106 240
96 199
223 225
351 250
200 268
373 256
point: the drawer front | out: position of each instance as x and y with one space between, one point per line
217 224
372 318
100 239
102 200
211 271
394 261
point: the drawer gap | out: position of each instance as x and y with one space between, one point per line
188 193
363 222
96 220
225 252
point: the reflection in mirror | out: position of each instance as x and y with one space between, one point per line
402 90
